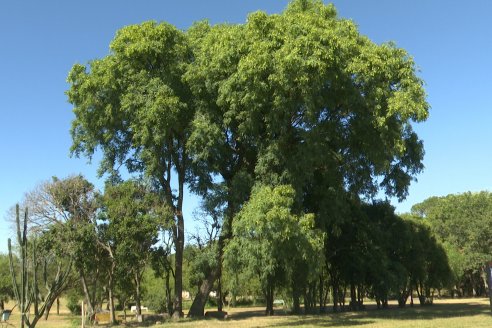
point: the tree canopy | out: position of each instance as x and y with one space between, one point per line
462 223
297 99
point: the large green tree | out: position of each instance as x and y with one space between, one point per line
302 98
133 106
298 98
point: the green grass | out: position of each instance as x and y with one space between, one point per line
444 313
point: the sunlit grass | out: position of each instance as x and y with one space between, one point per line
460 313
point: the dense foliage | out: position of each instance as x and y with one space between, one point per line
462 223
287 126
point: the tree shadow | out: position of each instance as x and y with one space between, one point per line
435 311
372 315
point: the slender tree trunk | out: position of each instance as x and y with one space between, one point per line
178 278
296 308
169 301
269 299
233 301
112 317
353 298
138 297
336 296
360 297
2 306
88 298
48 309
219 289
57 306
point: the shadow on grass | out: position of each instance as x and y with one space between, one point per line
372 315
324 320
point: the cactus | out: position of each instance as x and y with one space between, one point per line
27 293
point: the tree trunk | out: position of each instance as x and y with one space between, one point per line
233 300
335 287
269 299
112 317
138 297
198 306
219 289
353 298
89 299
2 306
296 308
57 306
48 309
178 278
169 301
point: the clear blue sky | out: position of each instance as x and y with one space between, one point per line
40 41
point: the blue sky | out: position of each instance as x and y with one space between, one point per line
41 40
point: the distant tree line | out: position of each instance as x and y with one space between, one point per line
462 224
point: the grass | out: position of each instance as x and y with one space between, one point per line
460 313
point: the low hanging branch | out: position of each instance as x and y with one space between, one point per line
27 293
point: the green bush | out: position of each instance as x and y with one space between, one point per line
73 304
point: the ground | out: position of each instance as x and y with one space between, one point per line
460 313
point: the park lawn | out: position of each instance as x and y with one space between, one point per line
456 313
444 313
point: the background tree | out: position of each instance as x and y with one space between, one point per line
6 290
461 222
268 239
67 209
134 106
163 264
133 218
28 292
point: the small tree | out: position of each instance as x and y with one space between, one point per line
6 290
28 293
269 239
133 218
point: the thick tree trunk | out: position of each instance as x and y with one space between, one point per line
198 307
